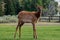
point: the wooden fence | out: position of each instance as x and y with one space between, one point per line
50 19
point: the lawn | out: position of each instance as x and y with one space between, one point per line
43 32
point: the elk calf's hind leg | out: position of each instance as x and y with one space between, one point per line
20 30
16 32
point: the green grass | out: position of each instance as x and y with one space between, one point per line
43 32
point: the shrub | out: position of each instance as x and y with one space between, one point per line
8 19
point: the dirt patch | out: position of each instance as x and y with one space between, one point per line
39 23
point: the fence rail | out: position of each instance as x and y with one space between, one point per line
10 19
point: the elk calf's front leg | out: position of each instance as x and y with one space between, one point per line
34 32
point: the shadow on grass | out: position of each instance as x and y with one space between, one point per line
19 39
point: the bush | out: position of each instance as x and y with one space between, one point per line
8 19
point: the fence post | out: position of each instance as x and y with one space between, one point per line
59 18
49 19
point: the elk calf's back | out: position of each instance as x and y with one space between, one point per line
27 17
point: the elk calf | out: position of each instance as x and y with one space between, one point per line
28 17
